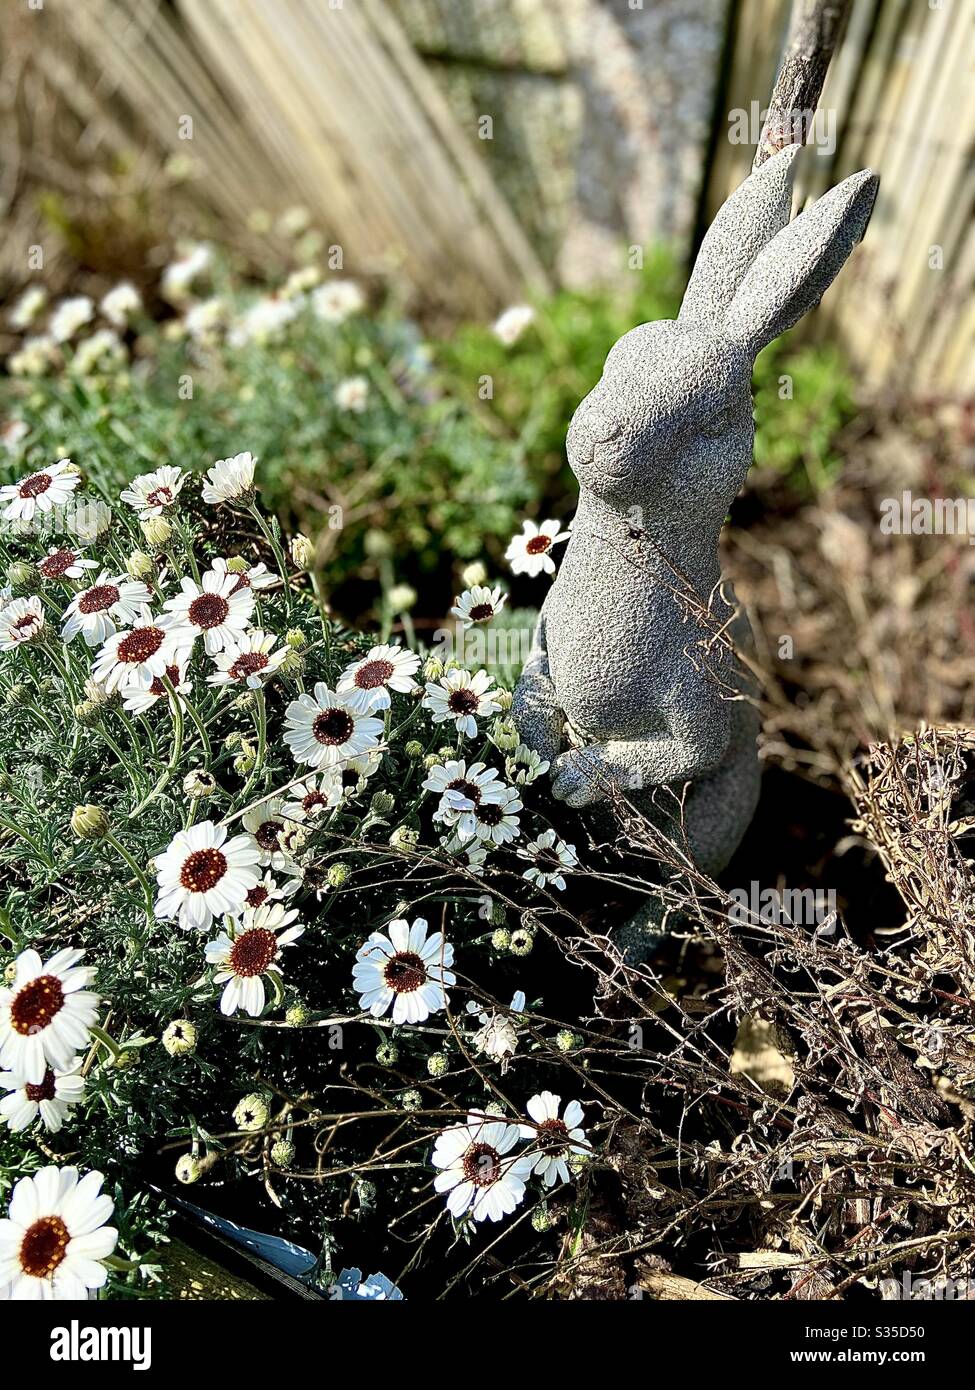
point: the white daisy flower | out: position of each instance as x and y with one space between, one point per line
21 620
510 325
33 357
120 303
113 601
478 1169
497 821
478 605
63 562
406 969
355 772
352 394
151 493
529 552
40 492
202 321
268 823
249 952
250 659
525 765
326 729
268 891
215 609
51 1099
103 350
461 789
383 669
462 697
179 275
554 1140
202 875
230 480
27 307
497 1037
314 796
142 693
255 577
45 1014
55 1238
549 856
70 315
143 650
336 300
263 321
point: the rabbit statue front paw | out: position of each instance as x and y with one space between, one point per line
582 776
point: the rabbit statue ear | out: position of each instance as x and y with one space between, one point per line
747 221
798 265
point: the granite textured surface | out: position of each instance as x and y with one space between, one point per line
626 684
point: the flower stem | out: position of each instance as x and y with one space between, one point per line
140 876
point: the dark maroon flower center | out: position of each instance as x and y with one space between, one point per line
268 834
373 673
35 485
98 598
57 563
209 610
253 952
462 701
481 612
202 870
551 1136
490 814
33 1006
26 623
538 545
44 1247
404 972
247 665
45 1091
482 1165
257 896
314 801
468 789
172 675
159 497
140 644
333 726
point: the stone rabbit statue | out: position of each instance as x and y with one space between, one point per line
616 690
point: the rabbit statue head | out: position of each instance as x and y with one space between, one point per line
668 431
615 693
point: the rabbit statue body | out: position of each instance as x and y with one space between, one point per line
626 684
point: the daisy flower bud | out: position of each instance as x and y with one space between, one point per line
89 822
504 735
381 804
22 575
245 762
438 1063
473 574
404 837
295 639
566 1040
86 712
411 1100
188 1169
139 565
413 750
377 544
501 939
433 760
233 741
302 552
199 783
433 668
387 1054
251 1113
505 700
236 564
521 942
95 693
297 1014
157 531
282 1153
497 916
541 1220
18 694
338 874
292 663
179 1038
401 597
